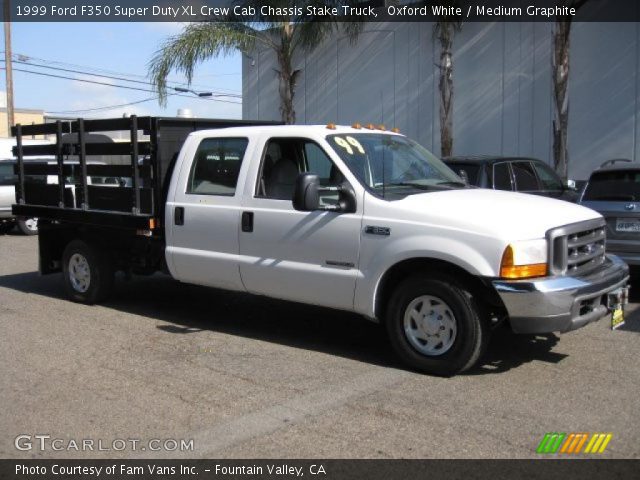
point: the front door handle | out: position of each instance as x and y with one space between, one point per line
247 221
178 216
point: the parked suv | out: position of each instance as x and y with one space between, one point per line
27 225
527 175
613 190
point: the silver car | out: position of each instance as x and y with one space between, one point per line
613 190
28 226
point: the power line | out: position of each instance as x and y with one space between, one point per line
221 94
23 57
114 85
111 107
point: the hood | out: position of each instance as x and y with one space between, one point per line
509 215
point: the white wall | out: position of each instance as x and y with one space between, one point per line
502 83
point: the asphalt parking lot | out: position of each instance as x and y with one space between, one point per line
247 377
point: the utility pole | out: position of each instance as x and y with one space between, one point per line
8 65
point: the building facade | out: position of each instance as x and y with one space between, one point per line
502 88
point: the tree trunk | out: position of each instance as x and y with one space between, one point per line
286 89
445 36
286 76
560 69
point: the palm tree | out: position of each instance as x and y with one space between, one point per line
281 30
560 72
445 29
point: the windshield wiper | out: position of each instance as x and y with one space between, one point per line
452 183
420 186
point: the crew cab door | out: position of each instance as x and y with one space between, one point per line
203 217
309 257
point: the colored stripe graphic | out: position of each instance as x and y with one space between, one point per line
572 443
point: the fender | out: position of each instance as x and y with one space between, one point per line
455 252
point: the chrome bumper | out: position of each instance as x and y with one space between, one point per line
561 304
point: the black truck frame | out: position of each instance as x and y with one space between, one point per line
126 219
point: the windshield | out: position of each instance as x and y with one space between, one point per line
616 185
392 164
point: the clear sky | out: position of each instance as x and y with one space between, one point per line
114 49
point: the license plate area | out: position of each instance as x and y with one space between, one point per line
616 301
629 225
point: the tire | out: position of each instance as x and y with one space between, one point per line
28 226
88 272
451 336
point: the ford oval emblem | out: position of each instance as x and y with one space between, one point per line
630 206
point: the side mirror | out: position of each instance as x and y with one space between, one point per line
305 193
571 184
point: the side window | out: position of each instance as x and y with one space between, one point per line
526 180
317 161
216 166
548 178
7 176
285 159
502 176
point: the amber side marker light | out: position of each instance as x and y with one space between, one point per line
395 130
331 126
357 126
509 270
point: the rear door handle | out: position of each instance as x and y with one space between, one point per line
178 216
247 221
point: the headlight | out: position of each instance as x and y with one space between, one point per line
524 259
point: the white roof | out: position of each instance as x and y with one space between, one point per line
286 130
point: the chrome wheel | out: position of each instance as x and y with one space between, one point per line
79 273
31 224
430 325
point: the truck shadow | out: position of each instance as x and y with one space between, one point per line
189 309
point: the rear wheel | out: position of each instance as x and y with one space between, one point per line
88 272
28 226
435 326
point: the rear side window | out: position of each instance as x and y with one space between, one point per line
7 176
216 166
502 176
621 185
525 176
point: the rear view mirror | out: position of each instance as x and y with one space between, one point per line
305 193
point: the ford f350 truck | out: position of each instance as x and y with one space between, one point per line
351 218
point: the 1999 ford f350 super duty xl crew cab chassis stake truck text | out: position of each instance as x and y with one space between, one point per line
350 218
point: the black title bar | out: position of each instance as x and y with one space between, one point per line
307 10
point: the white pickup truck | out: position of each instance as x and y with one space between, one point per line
350 218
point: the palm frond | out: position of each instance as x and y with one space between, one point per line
197 43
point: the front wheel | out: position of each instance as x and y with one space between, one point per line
434 326
88 272
28 226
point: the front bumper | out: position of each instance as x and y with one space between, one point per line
561 304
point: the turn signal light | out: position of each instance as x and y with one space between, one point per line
508 269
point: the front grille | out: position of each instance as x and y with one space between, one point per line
577 249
